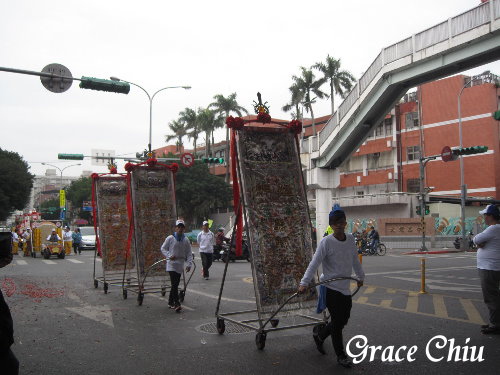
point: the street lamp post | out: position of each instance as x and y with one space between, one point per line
463 186
150 97
61 171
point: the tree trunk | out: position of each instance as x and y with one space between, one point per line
313 122
226 155
332 97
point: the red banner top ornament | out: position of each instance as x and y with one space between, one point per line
151 162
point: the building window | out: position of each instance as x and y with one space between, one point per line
379 130
360 193
388 126
412 120
412 153
413 185
380 160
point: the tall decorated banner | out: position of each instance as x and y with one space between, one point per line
152 203
113 221
274 202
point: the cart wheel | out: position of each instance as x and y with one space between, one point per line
163 292
105 288
221 326
182 294
140 298
274 322
125 295
260 340
96 284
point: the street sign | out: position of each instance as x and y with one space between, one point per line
446 154
56 84
87 206
187 159
62 198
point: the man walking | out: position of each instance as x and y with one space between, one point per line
338 256
206 241
67 240
488 264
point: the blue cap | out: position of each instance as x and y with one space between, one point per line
490 209
336 210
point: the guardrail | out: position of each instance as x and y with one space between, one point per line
476 17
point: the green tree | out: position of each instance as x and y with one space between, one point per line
15 183
50 209
294 103
226 106
79 191
189 118
304 86
340 81
179 129
209 121
198 191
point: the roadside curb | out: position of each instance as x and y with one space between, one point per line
434 252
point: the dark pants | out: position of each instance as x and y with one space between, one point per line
76 247
173 297
339 306
490 283
9 363
206 261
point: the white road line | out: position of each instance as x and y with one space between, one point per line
213 296
74 261
21 262
47 261
427 270
165 298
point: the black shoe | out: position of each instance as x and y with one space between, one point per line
485 326
345 362
178 308
491 330
318 340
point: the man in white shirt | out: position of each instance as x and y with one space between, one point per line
338 255
206 241
488 264
68 240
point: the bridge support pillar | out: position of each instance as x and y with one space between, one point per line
323 208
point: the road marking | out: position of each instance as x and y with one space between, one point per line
385 303
362 299
21 262
164 298
427 269
98 259
213 296
439 306
47 261
369 290
471 311
248 280
98 313
433 284
74 261
412 303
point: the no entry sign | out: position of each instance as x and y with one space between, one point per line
446 154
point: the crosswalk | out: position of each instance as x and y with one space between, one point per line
82 260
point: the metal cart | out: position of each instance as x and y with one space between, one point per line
274 319
159 283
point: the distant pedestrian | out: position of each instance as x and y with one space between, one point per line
77 240
488 264
15 241
9 364
67 240
206 241
375 239
338 256
177 251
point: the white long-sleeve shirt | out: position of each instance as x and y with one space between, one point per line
68 236
181 250
488 256
338 258
206 241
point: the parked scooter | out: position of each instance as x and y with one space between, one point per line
471 244
226 253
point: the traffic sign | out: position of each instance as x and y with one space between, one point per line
187 159
446 154
57 84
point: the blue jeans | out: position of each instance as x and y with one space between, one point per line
374 245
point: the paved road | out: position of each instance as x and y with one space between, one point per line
66 326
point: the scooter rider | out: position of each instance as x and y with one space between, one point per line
53 237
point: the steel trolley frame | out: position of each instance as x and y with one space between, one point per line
144 286
114 278
274 319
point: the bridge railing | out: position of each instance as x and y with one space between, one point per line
478 16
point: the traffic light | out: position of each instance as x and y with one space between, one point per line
469 150
418 210
213 160
496 115
70 156
427 210
104 85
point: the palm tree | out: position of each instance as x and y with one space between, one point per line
209 120
303 87
341 81
226 106
190 118
295 102
180 131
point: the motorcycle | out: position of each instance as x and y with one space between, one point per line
229 253
470 242
52 249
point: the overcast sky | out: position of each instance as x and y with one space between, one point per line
217 47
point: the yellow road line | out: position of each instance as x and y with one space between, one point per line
385 303
471 311
362 300
439 306
391 290
369 290
412 303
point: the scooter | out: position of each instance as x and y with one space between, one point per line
227 253
471 244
